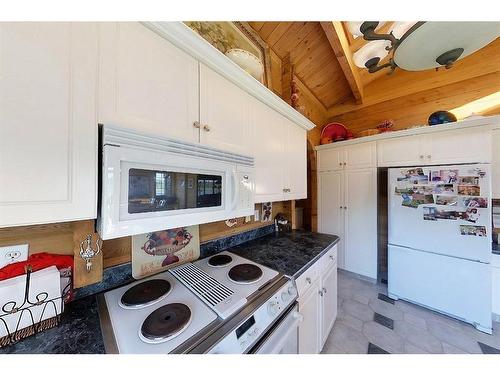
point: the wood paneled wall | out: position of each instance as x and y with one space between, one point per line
59 238
414 109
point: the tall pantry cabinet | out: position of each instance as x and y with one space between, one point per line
347 204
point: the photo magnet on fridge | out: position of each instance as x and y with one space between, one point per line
474 190
447 200
468 180
476 202
449 176
473 230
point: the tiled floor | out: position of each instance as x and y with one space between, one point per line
415 329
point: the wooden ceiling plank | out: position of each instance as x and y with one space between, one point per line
340 45
267 29
289 41
256 25
278 32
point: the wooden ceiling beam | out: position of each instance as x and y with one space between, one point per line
337 38
402 83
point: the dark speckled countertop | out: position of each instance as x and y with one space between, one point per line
290 253
79 332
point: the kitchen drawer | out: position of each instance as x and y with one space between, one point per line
307 279
328 260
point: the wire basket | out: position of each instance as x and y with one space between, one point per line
25 309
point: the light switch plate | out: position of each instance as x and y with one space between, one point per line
13 254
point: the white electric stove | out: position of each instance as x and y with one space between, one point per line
155 315
221 304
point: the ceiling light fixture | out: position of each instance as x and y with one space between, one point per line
419 46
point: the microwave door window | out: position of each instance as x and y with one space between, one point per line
153 190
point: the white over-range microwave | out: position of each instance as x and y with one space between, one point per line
150 183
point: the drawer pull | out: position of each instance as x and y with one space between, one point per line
308 279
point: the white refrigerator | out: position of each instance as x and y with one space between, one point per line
439 243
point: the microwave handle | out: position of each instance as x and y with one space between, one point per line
234 185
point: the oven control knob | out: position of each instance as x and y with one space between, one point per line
272 308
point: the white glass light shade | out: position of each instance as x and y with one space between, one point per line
399 28
420 49
353 27
375 48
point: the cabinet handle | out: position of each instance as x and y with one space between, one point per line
308 279
324 290
206 128
196 124
320 292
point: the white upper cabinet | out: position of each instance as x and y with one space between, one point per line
268 150
457 146
48 124
399 151
296 159
224 113
146 83
361 155
445 147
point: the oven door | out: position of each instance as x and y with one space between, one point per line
283 337
145 191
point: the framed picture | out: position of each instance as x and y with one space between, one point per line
226 36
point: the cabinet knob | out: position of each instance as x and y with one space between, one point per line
345 207
340 163
206 128
345 163
428 156
421 156
332 257
324 290
320 293
308 279
340 207
196 124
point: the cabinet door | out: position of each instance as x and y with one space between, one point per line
361 155
267 126
457 146
400 151
361 221
328 302
495 168
331 208
309 328
331 159
224 113
296 161
146 83
48 127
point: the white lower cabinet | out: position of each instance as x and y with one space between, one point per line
48 124
317 289
495 269
309 328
